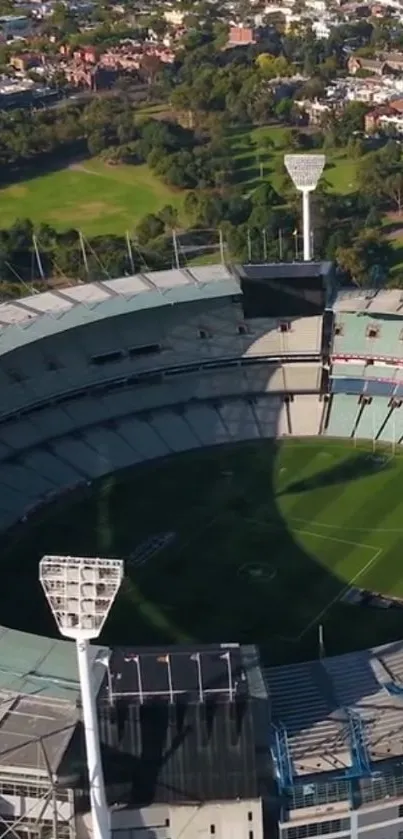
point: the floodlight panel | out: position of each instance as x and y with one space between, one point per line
80 592
305 170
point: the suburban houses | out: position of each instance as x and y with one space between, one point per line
36 73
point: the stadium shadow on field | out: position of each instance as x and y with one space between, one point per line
358 465
236 570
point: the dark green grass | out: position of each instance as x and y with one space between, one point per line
268 537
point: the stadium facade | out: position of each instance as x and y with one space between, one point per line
98 377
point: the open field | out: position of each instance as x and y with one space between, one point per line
254 159
100 199
256 542
93 196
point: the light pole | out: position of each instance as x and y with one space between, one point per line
305 171
80 593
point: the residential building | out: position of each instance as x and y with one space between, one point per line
174 16
15 25
321 28
241 36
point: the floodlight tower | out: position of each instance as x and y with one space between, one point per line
305 171
80 593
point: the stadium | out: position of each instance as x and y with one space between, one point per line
233 433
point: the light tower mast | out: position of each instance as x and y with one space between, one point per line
80 592
305 171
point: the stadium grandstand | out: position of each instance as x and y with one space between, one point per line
102 376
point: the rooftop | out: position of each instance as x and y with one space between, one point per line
288 271
41 667
39 315
39 690
34 733
186 751
370 301
314 701
188 673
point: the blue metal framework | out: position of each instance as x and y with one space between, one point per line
355 733
360 760
282 757
394 689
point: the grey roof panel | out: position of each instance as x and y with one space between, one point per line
39 690
46 667
32 318
34 733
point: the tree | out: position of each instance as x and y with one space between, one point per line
292 138
150 227
285 110
355 148
313 89
370 176
393 189
369 253
97 141
373 219
265 196
350 122
390 154
169 216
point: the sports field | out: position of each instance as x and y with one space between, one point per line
92 196
256 542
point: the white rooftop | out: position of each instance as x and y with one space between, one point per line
39 315
384 301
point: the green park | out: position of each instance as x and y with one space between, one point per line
100 198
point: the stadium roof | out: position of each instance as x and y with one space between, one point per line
31 318
314 701
213 669
370 301
186 751
39 690
34 733
285 270
45 667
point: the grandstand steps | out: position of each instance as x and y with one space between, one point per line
142 438
371 417
342 416
325 685
72 452
177 434
200 419
46 463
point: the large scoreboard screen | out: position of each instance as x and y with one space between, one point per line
285 289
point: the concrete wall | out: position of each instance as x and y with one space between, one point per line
222 820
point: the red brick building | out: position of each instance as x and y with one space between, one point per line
241 36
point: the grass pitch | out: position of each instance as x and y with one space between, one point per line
92 196
255 542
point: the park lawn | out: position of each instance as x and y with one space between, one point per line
254 161
265 539
340 172
92 196
99 199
